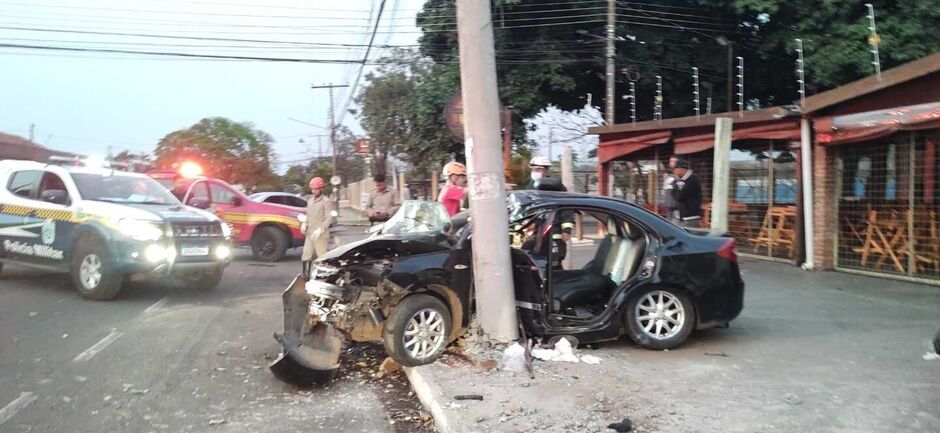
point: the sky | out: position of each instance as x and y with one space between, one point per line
93 102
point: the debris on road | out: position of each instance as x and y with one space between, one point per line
792 399
33 314
930 356
477 397
621 427
721 354
590 359
563 352
389 365
513 359
216 421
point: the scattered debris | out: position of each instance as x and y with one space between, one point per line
139 391
621 427
81 378
930 356
486 365
216 421
513 358
477 397
563 352
65 336
721 354
33 314
66 399
389 365
792 399
590 359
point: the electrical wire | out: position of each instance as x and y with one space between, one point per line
365 58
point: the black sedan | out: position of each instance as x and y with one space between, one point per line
630 273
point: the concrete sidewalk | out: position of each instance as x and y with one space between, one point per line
811 352
351 217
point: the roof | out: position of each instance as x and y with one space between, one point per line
16 147
762 115
889 78
34 165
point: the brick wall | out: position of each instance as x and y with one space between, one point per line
824 206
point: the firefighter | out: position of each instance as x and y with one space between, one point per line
540 168
317 225
455 191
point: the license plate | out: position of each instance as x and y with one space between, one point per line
194 251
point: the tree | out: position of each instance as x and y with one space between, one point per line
232 151
350 166
138 162
385 104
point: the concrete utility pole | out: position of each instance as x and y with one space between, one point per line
492 269
332 125
611 16
722 176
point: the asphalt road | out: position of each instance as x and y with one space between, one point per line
158 359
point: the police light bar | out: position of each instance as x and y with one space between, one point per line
86 161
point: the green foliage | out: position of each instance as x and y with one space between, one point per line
350 166
385 102
233 151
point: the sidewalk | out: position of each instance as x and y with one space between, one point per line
811 352
350 217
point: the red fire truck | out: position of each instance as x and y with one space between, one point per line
269 229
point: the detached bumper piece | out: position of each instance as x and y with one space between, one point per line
310 348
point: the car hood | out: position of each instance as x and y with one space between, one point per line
146 212
386 247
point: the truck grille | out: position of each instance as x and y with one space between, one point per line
197 230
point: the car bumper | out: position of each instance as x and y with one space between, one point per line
132 258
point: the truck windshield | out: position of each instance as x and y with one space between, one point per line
122 188
416 216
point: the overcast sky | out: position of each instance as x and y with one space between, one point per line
86 102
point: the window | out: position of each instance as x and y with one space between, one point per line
295 202
121 188
221 195
24 183
199 194
276 199
51 181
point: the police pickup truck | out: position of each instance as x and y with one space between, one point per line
104 226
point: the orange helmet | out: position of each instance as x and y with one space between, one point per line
454 167
317 183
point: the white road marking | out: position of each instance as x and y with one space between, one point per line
25 399
99 346
156 305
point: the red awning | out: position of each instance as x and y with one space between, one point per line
870 125
784 130
613 149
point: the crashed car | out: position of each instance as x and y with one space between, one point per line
411 284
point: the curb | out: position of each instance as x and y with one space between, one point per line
427 393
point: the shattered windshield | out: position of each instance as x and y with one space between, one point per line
416 216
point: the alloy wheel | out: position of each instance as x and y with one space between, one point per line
89 271
660 314
424 334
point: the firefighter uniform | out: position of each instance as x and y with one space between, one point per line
317 235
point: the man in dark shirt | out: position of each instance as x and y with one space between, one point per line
687 194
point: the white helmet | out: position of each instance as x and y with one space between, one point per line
540 161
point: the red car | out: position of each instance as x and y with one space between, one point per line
269 229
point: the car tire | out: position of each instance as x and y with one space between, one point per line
201 280
269 244
92 270
417 331
659 317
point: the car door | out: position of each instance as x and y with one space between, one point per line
224 199
53 204
295 201
20 191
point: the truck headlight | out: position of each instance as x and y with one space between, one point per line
140 230
226 230
222 252
154 253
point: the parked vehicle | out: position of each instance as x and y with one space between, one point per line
104 226
410 285
282 198
269 229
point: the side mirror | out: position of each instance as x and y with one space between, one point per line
57 196
237 201
200 203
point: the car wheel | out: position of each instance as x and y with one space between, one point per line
659 318
269 244
416 333
92 271
201 280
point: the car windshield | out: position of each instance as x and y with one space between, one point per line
122 188
416 216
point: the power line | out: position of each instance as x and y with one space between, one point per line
365 58
163 53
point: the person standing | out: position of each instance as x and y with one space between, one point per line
383 202
669 189
455 191
688 194
316 227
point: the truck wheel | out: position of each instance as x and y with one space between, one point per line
200 280
416 333
269 244
92 270
659 318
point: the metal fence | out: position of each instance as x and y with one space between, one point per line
888 205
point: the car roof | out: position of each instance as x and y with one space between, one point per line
15 164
